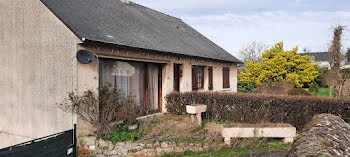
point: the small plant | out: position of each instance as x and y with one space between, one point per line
122 134
201 128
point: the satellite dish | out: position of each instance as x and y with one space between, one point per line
85 57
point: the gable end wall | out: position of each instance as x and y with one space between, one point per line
37 71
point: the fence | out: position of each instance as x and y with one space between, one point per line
57 145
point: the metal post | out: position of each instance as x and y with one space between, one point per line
75 151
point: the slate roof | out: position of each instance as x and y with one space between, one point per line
133 25
319 56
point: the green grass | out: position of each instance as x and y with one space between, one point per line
235 151
324 92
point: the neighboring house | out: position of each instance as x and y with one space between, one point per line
144 52
323 59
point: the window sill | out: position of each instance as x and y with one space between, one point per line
227 89
200 90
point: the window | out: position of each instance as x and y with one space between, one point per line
197 77
226 77
177 75
210 75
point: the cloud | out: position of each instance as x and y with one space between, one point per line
179 7
306 29
233 23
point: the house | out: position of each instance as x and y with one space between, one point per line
138 49
323 59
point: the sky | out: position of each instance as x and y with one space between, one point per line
232 24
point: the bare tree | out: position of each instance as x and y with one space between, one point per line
336 59
253 51
306 50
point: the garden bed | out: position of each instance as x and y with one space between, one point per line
175 135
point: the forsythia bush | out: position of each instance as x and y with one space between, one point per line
278 65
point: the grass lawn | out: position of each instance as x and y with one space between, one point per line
274 146
324 92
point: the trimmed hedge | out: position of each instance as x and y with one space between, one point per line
255 108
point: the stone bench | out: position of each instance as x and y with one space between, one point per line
196 110
285 131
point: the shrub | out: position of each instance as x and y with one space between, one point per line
122 134
246 88
314 88
256 108
104 109
298 91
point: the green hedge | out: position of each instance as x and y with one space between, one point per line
254 108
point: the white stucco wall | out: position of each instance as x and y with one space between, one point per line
37 70
167 71
186 79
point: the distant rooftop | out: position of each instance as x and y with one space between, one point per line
319 56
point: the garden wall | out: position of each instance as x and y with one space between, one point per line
91 146
254 108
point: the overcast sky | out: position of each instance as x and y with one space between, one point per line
234 23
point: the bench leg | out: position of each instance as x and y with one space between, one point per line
196 119
227 141
199 119
288 140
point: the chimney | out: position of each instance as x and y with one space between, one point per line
125 1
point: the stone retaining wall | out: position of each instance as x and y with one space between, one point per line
91 146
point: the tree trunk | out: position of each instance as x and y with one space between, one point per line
330 91
339 90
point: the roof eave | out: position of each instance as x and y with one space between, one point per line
87 41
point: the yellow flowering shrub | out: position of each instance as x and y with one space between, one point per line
278 65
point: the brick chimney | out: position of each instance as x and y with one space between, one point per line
125 1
